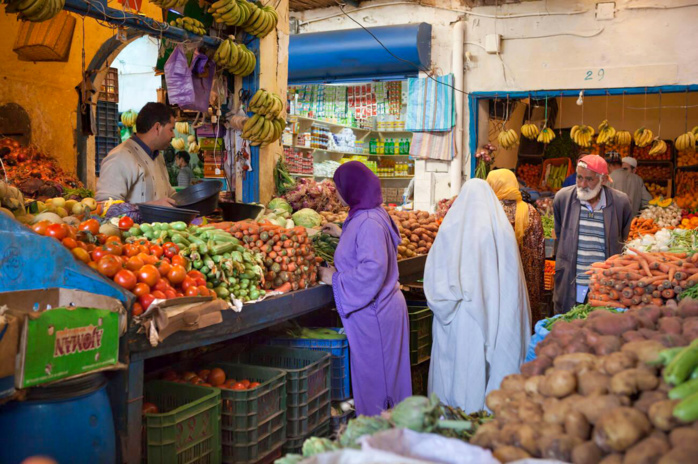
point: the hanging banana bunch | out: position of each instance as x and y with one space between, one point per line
658 147
623 138
546 135
508 138
686 142
607 133
530 131
581 135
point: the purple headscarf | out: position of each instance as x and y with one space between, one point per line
359 187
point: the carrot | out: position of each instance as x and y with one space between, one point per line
285 288
600 266
639 291
602 303
645 266
626 302
657 301
668 294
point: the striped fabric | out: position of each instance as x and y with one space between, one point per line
591 247
433 145
430 104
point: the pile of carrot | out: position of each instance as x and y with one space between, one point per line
628 281
642 226
288 256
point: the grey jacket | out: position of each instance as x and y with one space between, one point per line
633 186
566 208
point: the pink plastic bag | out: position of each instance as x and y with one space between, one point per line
180 87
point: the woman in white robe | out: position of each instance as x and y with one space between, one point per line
474 284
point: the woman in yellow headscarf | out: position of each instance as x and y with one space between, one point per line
529 234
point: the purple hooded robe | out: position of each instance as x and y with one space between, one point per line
368 296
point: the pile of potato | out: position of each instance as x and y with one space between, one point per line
329 217
418 230
595 393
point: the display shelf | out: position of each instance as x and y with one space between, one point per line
298 174
640 161
688 168
326 123
344 153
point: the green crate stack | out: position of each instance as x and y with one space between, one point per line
253 421
420 333
295 446
188 430
420 378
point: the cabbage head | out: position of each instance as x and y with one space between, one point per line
307 218
280 203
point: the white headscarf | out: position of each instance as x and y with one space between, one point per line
474 270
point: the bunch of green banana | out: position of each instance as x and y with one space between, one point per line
35 11
261 131
508 138
262 20
546 135
169 4
178 143
623 138
235 58
190 24
686 142
681 370
530 131
182 127
658 147
643 137
607 133
581 135
128 118
268 104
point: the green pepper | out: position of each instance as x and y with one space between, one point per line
666 356
164 226
684 390
179 225
217 258
135 231
156 227
180 240
146 228
682 365
687 409
149 235
223 248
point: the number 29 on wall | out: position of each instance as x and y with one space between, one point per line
590 75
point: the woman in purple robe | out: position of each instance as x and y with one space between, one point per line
367 293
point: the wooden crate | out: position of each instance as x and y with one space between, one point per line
110 86
46 41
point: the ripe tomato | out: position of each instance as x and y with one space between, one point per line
149 408
40 227
113 248
164 267
57 231
158 295
148 274
203 291
246 383
93 265
156 250
70 243
179 295
216 377
130 250
99 253
148 259
134 263
91 226
238 386
187 376
170 249
200 282
113 238
81 254
141 289
162 285
204 373
126 279
125 223
254 385
192 291
101 239
194 274
146 301
176 274
179 260
137 309
169 294
188 282
108 266
82 245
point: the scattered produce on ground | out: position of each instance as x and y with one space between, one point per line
418 230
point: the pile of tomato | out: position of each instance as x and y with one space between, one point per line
209 378
150 271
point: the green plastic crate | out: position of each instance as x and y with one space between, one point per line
253 422
420 378
421 319
308 383
295 445
188 430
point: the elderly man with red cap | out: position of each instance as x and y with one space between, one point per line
591 223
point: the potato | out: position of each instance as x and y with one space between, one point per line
551 350
575 361
632 336
648 451
648 398
606 344
670 340
558 384
496 399
592 383
612 459
682 455
485 438
650 312
524 437
557 447
537 366
684 436
669 311
620 428
661 414
617 362
632 381
613 324
532 383
593 407
690 328
510 454
688 307
646 351
554 411
587 453
577 345
576 425
529 411
670 325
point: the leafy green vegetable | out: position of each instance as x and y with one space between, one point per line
548 225
307 218
578 312
280 203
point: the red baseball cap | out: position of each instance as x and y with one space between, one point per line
595 163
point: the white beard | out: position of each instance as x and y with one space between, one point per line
586 194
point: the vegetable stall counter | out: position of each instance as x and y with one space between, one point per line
411 269
254 317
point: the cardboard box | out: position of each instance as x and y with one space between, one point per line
65 333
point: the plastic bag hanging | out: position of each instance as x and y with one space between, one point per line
178 77
202 72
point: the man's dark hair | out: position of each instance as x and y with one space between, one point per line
184 155
150 114
614 160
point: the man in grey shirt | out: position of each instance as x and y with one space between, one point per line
185 175
626 181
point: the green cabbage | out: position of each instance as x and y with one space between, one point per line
290 459
307 218
362 425
315 445
280 203
417 413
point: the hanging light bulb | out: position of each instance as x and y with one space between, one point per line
580 100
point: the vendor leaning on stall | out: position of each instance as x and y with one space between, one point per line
367 293
591 223
135 171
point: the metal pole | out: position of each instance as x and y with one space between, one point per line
458 78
